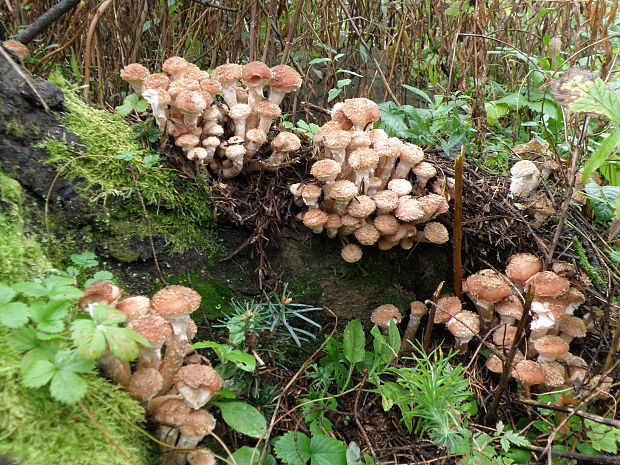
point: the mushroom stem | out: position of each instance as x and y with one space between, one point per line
173 360
115 369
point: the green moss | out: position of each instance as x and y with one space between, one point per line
176 205
20 256
584 263
216 297
37 430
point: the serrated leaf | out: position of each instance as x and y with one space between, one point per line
68 387
106 315
151 160
89 341
31 289
325 450
45 352
24 339
66 293
243 418
121 343
293 448
332 94
602 199
100 276
353 453
516 439
38 373
597 98
6 294
354 341
601 154
48 316
85 259
14 314
614 257
392 123
56 281
127 156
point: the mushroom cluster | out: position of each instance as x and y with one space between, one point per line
223 134
173 387
546 359
371 186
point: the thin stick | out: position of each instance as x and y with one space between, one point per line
572 455
457 230
426 341
579 413
291 31
89 43
615 346
46 20
103 432
369 50
215 5
253 44
525 317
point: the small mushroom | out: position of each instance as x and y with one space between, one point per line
196 426
227 75
351 253
134 74
525 178
284 79
464 326
384 315
197 384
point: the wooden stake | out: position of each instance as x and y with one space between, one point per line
426 341
457 230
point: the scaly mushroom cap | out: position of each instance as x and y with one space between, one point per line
453 306
328 127
333 221
511 307
285 78
360 140
524 168
315 218
153 328
360 111
361 206
181 85
418 308
555 374
528 371
174 66
191 329
351 253
134 306
198 423
240 111
433 204
522 267
100 291
133 72
384 314
550 346
436 233
258 136
198 376
156 80
548 284
386 200
363 159
367 234
187 141
175 300
17 48
311 192
145 383
337 139
267 109
409 209
488 286
325 169
389 148
411 154
465 324
201 456
494 363
400 187
227 73
210 85
343 190
573 326
504 335
191 102
256 72
424 171
286 142
386 224
172 412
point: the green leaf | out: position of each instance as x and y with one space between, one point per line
293 448
151 160
89 341
495 111
6 294
100 276
66 293
243 456
419 93
346 71
319 60
71 361
243 360
14 314
602 199
243 418
353 453
325 450
515 439
68 387
38 374
600 155
392 122
342 83
332 94
25 339
354 341
132 102
31 289
85 259
106 315
394 337
597 98
121 343
48 316
127 156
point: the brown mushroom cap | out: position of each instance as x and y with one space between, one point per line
134 72
256 72
328 127
411 154
174 65
424 171
267 109
187 141
573 326
528 371
363 159
409 209
522 267
198 423
555 374
343 190
361 206
488 286
548 284
256 135
504 335
383 314
351 253
285 78
201 456
18 48
315 218
333 221
286 142
453 306
550 345
134 306
311 192
400 187
434 204
325 169
511 306
198 376
172 412
152 327
100 291
386 224
464 324
336 138
210 85
229 72
144 383
367 234
418 308
175 300
360 111
386 200
191 102
436 233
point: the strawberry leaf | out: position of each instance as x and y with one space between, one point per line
14 314
38 374
68 387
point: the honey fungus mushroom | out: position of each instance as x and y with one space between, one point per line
197 384
384 315
175 304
